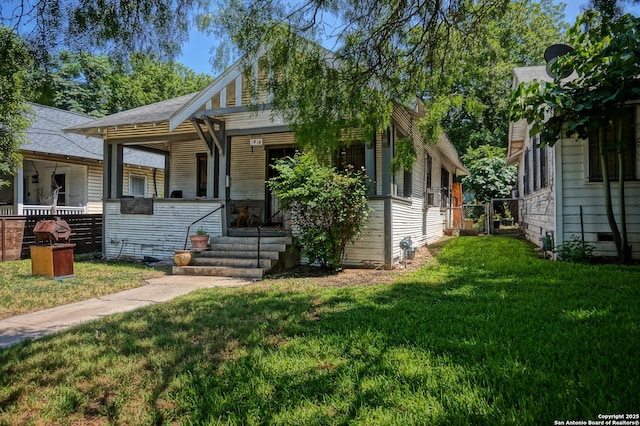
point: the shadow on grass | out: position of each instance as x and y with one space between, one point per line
471 341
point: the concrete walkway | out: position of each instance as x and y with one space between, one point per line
37 324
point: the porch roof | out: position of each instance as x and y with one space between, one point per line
45 136
153 113
447 148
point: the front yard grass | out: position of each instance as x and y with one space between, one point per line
21 293
488 335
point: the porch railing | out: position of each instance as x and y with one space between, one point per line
41 210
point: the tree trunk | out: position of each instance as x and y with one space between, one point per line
606 183
625 254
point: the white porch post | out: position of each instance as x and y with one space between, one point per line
387 154
18 190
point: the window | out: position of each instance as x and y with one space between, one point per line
595 169
544 168
444 183
429 197
201 175
407 186
525 172
534 149
137 185
352 155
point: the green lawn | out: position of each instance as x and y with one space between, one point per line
489 335
21 293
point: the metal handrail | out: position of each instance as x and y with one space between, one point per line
186 238
260 236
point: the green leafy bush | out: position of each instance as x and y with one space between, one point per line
575 250
328 208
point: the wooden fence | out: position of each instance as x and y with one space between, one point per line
86 229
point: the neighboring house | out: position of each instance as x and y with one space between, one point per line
561 189
219 151
73 163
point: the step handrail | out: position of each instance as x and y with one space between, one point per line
260 236
186 238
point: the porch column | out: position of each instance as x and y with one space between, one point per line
387 155
112 170
167 174
18 190
370 164
224 189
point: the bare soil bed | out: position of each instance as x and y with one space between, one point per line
356 277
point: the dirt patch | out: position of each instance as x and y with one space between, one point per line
352 277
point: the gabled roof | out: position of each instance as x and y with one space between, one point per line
199 99
45 136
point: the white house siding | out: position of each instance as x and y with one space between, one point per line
537 208
578 191
183 166
537 212
435 225
133 236
407 222
250 120
248 169
368 251
94 185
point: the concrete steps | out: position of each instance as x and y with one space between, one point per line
238 257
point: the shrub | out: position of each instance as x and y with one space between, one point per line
575 250
328 208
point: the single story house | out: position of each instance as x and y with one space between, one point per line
218 152
73 164
560 187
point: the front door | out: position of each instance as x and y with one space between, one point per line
271 201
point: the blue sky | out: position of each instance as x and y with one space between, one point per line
195 54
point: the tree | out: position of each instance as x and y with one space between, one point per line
13 110
381 52
609 9
118 27
329 208
98 85
606 62
490 176
481 69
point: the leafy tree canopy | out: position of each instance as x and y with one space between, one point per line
13 110
456 56
118 27
99 85
490 176
603 70
481 70
381 51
